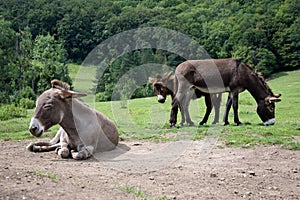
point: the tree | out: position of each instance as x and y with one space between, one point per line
9 75
49 60
25 48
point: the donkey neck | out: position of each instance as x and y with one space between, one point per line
76 116
257 87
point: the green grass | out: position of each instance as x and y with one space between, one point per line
138 193
146 119
51 176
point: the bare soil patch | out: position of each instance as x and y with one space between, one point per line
199 172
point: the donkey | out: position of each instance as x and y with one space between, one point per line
167 85
226 75
83 131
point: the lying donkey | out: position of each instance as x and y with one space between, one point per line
167 85
83 130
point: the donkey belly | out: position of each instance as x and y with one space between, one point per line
213 89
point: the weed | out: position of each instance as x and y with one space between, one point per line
51 176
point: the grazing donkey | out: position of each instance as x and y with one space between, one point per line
83 130
226 75
167 85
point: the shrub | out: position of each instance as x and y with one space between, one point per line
28 93
102 96
26 103
11 111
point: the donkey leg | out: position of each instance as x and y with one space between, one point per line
45 146
64 151
182 121
186 104
235 106
216 100
42 147
228 106
83 153
180 97
208 109
173 114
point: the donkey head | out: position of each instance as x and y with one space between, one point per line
161 86
51 107
266 109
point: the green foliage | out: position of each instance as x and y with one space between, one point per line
37 37
49 175
49 59
9 71
26 103
11 111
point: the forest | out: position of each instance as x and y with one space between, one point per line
39 38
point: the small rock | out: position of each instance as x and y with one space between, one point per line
295 171
252 173
222 179
151 178
213 175
180 167
248 193
136 144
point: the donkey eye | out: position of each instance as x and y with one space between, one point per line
47 106
271 108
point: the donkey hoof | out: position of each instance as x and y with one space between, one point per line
30 147
64 153
191 124
79 156
173 126
226 124
201 123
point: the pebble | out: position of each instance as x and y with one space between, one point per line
213 175
252 173
151 178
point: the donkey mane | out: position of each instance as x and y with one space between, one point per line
260 78
60 85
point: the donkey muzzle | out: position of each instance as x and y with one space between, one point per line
161 99
269 122
36 128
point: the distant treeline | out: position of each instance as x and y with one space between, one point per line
39 37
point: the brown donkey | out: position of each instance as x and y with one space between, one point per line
167 85
83 130
226 75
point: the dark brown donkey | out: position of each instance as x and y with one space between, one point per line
83 130
226 75
167 85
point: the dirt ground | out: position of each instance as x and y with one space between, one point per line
145 170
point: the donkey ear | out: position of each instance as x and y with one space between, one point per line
277 95
273 99
169 74
67 94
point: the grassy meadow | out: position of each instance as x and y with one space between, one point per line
146 119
